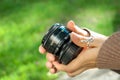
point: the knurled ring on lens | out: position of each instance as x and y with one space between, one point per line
88 40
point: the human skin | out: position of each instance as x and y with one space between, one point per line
87 59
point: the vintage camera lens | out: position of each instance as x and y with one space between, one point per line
57 41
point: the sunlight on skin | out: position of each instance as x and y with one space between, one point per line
22 30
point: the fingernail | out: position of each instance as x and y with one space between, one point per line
41 50
52 71
49 65
71 23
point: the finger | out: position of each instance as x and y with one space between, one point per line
50 57
77 72
59 67
53 70
71 25
49 64
76 38
72 66
41 49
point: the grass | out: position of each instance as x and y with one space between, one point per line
24 22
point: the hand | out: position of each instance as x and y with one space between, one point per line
85 60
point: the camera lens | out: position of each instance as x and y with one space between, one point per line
57 41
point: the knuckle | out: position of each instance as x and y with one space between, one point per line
69 70
70 75
63 69
60 69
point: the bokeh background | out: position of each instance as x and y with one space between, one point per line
23 23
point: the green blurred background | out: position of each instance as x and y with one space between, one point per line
23 23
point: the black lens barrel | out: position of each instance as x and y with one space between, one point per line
57 41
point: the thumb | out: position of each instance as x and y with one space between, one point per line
74 28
